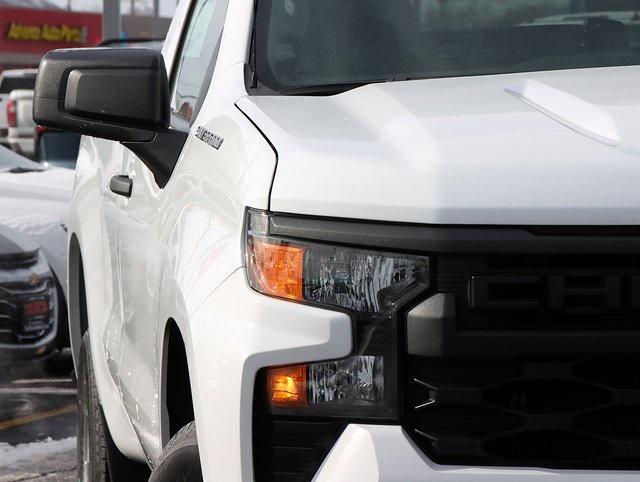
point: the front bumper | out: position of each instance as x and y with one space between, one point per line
386 453
30 351
233 334
252 331
27 278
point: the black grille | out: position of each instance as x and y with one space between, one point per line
290 450
531 360
14 327
20 260
579 412
543 292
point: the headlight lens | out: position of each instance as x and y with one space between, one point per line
370 285
362 281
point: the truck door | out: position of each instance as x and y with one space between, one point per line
142 225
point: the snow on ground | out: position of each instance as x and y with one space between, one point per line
48 460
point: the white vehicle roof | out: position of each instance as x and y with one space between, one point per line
18 72
21 94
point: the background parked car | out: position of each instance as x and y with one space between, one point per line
29 303
11 80
56 148
34 203
22 128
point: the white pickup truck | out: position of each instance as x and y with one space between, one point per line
22 128
11 80
357 240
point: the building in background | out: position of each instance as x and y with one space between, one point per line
30 28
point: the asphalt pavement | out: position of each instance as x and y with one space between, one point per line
37 422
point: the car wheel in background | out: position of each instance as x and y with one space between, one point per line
99 460
180 460
60 363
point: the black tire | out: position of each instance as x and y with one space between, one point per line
180 460
59 364
99 460
62 337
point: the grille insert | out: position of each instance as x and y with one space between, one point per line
579 412
543 292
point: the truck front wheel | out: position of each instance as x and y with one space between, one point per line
180 460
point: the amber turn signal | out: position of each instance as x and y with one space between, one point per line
287 386
276 268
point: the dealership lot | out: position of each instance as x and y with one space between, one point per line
37 423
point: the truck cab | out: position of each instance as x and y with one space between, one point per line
364 240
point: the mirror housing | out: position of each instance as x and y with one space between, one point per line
120 94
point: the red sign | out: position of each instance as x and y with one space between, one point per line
38 31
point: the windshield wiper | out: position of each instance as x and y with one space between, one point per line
338 88
328 89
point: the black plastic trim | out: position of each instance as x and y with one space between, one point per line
161 154
121 185
458 239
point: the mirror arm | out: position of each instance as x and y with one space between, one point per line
161 154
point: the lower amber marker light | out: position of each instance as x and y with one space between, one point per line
287 386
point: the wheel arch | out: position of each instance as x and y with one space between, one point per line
76 298
176 397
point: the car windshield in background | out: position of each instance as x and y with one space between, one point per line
10 84
59 149
304 44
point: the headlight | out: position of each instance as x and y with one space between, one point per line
370 285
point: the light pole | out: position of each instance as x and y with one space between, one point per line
156 16
111 25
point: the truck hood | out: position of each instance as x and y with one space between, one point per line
546 148
35 204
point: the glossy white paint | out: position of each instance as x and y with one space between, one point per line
385 453
482 150
250 331
463 150
174 246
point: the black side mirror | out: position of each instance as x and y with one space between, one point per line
117 94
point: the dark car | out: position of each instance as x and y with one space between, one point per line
34 201
28 299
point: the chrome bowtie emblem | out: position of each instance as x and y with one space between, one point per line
209 137
34 279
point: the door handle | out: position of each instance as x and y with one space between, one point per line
121 185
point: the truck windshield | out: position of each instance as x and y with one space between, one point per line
322 46
9 84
